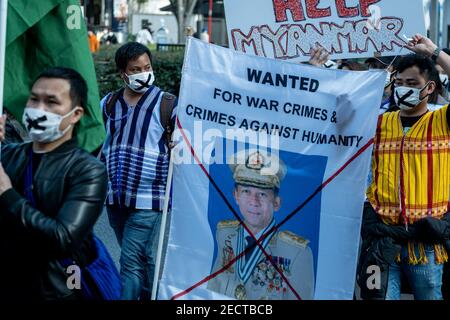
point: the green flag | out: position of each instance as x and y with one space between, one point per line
48 33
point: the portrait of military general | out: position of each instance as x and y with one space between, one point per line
257 259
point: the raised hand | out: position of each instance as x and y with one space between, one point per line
318 56
421 45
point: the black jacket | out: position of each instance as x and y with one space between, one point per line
382 243
69 190
380 246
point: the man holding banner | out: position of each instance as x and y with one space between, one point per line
254 277
411 175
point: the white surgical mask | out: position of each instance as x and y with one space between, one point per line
330 64
140 82
43 126
408 98
444 79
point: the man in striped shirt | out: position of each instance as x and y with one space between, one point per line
137 159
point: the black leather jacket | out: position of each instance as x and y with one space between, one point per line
69 190
382 243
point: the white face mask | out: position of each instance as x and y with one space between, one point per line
444 79
43 126
140 82
408 98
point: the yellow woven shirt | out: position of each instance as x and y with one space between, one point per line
411 172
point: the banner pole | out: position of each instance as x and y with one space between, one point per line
3 18
163 228
211 4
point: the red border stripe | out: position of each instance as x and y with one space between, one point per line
430 164
377 162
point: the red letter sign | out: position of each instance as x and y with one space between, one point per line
281 6
345 12
313 12
365 4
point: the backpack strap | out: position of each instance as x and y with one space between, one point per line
109 105
166 109
111 101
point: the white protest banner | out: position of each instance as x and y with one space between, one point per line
269 177
288 29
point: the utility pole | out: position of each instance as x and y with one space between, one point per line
102 13
180 13
446 24
210 12
434 21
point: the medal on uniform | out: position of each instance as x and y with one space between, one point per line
287 266
240 293
228 256
259 274
246 268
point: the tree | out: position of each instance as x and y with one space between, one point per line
183 10
140 2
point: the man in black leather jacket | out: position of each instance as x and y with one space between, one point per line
51 193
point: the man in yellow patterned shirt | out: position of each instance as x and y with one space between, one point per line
410 185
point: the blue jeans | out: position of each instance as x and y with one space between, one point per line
137 232
424 280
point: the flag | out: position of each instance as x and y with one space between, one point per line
48 33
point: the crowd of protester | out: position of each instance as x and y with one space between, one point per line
405 231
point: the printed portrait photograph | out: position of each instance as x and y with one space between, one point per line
265 222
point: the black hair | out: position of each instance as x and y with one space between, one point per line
426 67
78 87
129 52
352 65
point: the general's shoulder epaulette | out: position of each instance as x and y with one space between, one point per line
228 224
292 238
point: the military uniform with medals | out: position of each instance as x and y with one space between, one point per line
257 278
253 276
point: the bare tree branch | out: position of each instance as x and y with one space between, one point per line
183 10
174 8
191 7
